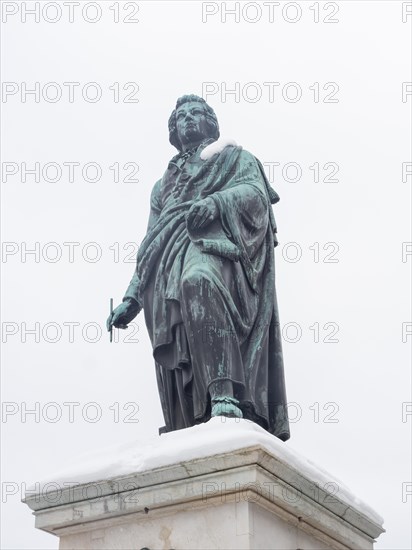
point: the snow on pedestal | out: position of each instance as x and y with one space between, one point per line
224 484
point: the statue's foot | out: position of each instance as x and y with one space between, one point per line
226 406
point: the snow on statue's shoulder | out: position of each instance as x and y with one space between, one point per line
216 147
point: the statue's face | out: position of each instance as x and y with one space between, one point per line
191 123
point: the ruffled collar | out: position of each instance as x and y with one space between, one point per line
183 156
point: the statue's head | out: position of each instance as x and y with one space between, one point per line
192 121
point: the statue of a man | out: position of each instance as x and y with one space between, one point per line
205 278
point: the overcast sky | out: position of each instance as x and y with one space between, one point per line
318 97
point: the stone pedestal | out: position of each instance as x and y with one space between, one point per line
226 484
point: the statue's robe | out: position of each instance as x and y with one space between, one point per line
209 295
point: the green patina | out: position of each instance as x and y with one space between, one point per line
205 278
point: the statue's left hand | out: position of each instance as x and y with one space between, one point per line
202 213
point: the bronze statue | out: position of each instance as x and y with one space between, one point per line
205 278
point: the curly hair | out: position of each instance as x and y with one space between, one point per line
211 120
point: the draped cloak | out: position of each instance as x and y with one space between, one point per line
209 295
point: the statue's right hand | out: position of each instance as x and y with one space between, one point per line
123 314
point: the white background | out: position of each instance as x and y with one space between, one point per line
363 379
